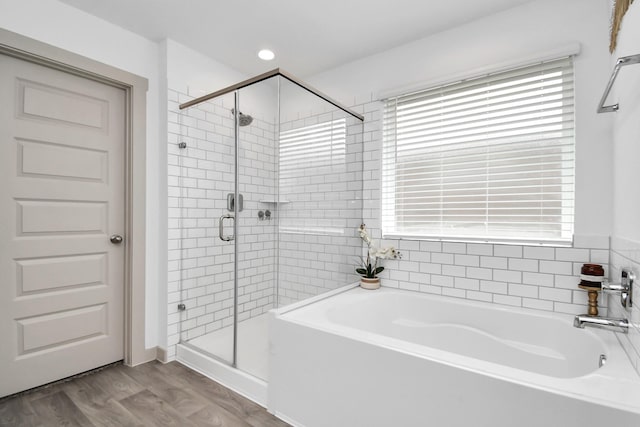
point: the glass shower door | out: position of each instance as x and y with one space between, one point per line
257 223
207 187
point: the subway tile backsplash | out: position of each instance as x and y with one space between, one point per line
626 254
548 282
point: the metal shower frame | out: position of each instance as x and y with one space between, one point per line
265 76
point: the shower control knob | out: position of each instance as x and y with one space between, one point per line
116 239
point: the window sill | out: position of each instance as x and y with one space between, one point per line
487 241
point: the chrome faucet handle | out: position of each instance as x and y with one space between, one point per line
624 288
612 287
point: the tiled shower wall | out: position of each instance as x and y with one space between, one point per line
537 277
626 254
319 245
200 177
318 242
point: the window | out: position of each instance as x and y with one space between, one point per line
310 149
489 158
312 162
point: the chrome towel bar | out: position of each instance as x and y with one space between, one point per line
621 62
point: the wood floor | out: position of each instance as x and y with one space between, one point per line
152 394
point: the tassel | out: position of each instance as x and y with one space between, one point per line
619 9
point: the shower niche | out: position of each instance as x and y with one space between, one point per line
269 144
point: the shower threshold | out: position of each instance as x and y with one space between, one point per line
205 354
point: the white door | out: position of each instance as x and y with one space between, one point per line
61 198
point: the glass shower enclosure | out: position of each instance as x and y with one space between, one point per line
266 191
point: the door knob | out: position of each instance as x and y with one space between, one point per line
116 239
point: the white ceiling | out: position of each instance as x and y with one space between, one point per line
307 36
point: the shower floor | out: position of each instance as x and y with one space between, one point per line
253 342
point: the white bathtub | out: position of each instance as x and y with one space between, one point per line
397 358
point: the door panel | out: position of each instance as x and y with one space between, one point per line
47 160
56 273
38 217
53 104
57 329
62 195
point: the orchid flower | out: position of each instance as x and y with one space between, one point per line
364 234
385 253
370 267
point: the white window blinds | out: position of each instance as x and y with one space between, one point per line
489 159
312 156
308 150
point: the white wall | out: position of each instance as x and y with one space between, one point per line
625 241
509 37
187 68
68 28
626 131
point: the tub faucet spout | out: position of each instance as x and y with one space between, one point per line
618 325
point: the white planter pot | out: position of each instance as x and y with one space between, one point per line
367 283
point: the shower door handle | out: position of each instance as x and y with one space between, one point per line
221 227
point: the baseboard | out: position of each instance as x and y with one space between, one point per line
149 355
161 355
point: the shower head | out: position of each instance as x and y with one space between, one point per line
244 119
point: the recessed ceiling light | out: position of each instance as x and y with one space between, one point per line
266 55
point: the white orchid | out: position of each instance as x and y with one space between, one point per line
370 267
364 235
384 253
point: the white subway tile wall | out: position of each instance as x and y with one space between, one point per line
626 254
319 245
539 277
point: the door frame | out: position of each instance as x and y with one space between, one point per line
135 88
